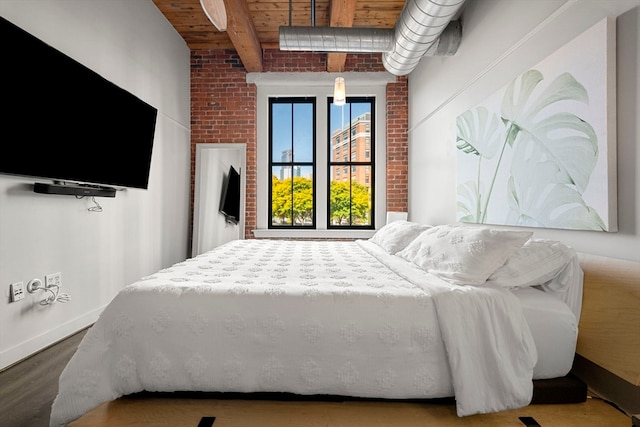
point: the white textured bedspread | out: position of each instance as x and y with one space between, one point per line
338 318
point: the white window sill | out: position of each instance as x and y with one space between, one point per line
312 234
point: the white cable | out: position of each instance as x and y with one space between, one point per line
97 207
55 296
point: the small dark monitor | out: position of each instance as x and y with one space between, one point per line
230 200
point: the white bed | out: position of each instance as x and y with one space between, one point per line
369 318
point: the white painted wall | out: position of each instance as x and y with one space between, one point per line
139 231
501 39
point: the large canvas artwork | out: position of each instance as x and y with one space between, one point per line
541 151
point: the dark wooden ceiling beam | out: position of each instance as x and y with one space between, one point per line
341 14
243 35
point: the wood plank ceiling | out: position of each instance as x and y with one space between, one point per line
252 25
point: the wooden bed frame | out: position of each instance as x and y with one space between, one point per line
609 328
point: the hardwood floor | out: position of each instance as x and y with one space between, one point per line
167 412
28 389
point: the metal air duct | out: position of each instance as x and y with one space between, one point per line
421 24
423 28
336 39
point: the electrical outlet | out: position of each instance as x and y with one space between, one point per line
53 279
17 291
34 285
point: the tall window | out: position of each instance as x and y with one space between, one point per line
351 160
292 144
316 178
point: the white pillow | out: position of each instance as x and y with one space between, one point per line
463 255
396 235
535 263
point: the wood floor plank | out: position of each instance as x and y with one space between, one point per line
28 388
169 412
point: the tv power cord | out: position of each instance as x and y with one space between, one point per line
53 290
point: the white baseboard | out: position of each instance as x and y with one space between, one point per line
25 349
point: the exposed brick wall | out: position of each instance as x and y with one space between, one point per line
223 109
397 146
278 61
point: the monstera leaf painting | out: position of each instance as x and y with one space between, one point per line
529 155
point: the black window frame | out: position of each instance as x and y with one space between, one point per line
349 164
292 100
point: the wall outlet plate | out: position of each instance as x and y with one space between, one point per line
34 285
53 279
17 291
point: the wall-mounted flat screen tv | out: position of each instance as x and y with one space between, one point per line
230 199
61 121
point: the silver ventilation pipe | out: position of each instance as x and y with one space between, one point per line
336 39
421 24
448 42
424 28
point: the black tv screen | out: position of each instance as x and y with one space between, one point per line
230 199
62 121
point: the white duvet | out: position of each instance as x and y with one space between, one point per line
337 318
